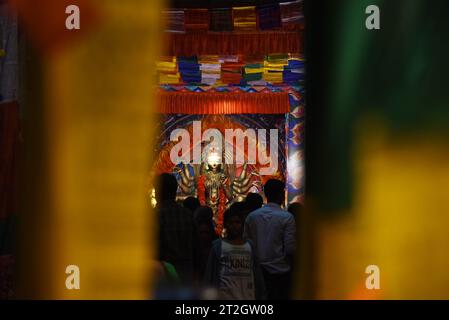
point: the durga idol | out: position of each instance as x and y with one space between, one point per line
213 189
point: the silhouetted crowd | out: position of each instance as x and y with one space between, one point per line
253 260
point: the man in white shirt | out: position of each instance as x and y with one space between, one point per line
273 233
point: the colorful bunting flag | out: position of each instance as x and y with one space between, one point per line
245 18
221 19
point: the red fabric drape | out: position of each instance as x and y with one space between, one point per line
45 23
223 102
248 43
9 135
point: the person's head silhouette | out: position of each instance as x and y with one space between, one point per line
253 201
274 191
166 187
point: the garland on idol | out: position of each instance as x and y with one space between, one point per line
221 205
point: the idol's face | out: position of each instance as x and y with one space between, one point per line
214 166
214 161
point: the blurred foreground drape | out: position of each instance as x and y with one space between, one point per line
378 108
9 138
9 130
87 152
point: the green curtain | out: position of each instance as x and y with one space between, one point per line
398 74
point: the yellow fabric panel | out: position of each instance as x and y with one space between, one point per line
254 70
398 221
99 128
169 78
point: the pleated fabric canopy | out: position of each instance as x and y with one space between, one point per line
248 43
223 102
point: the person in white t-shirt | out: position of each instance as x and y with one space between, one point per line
232 267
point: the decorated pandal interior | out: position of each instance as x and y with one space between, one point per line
234 69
